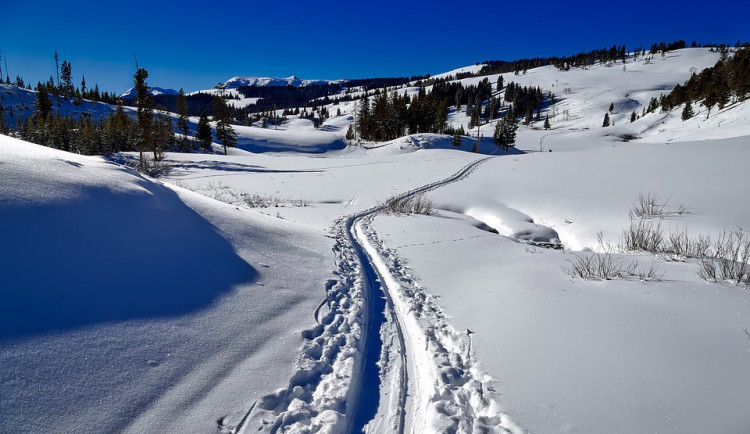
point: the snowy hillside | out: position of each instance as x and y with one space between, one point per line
277 289
19 104
132 306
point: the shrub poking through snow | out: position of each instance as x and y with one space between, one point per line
224 193
598 266
648 206
408 205
727 259
643 235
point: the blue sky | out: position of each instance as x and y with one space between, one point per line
195 45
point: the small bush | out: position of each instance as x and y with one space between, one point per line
408 205
681 245
224 193
594 266
642 235
649 206
727 259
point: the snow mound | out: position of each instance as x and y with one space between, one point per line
81 219
416 142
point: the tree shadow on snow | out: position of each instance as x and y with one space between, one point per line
111 256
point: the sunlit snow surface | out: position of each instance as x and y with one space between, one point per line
219 307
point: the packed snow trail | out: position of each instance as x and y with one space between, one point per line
430 385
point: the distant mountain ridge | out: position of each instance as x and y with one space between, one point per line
237 82
130 93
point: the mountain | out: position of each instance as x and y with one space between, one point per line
236 82
130 94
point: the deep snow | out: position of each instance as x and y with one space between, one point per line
276 342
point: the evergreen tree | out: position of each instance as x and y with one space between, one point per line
499 83
182 121
612 107
529 115
606 120
145 117
57 67
43 106
350 134
456 140
505 131
203 132
546 123
66 85
687 112
633 117
3 122
224 132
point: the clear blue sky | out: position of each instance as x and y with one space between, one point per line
195 45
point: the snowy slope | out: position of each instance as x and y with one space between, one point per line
481 329
134 307
19 104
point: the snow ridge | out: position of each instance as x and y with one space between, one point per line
236 82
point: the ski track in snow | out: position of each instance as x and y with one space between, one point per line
426 373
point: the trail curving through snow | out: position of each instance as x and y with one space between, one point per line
383 358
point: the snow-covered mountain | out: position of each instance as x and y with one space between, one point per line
236 82
130 93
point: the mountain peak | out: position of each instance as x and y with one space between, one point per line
131 94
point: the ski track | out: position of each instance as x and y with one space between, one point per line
433 378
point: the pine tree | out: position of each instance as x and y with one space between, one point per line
611 107
43 106
203 132
350 134
505 131
57 67
606 120
66 86
224 132
3 122
499 83
687 112
456 140
546 123
145 117
633 117
182 121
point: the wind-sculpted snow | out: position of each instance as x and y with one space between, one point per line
65 278
130 307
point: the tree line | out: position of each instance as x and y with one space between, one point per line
728 80
147 131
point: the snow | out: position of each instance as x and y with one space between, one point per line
22 101
162 310
153 90
573 356
267 319
236 82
